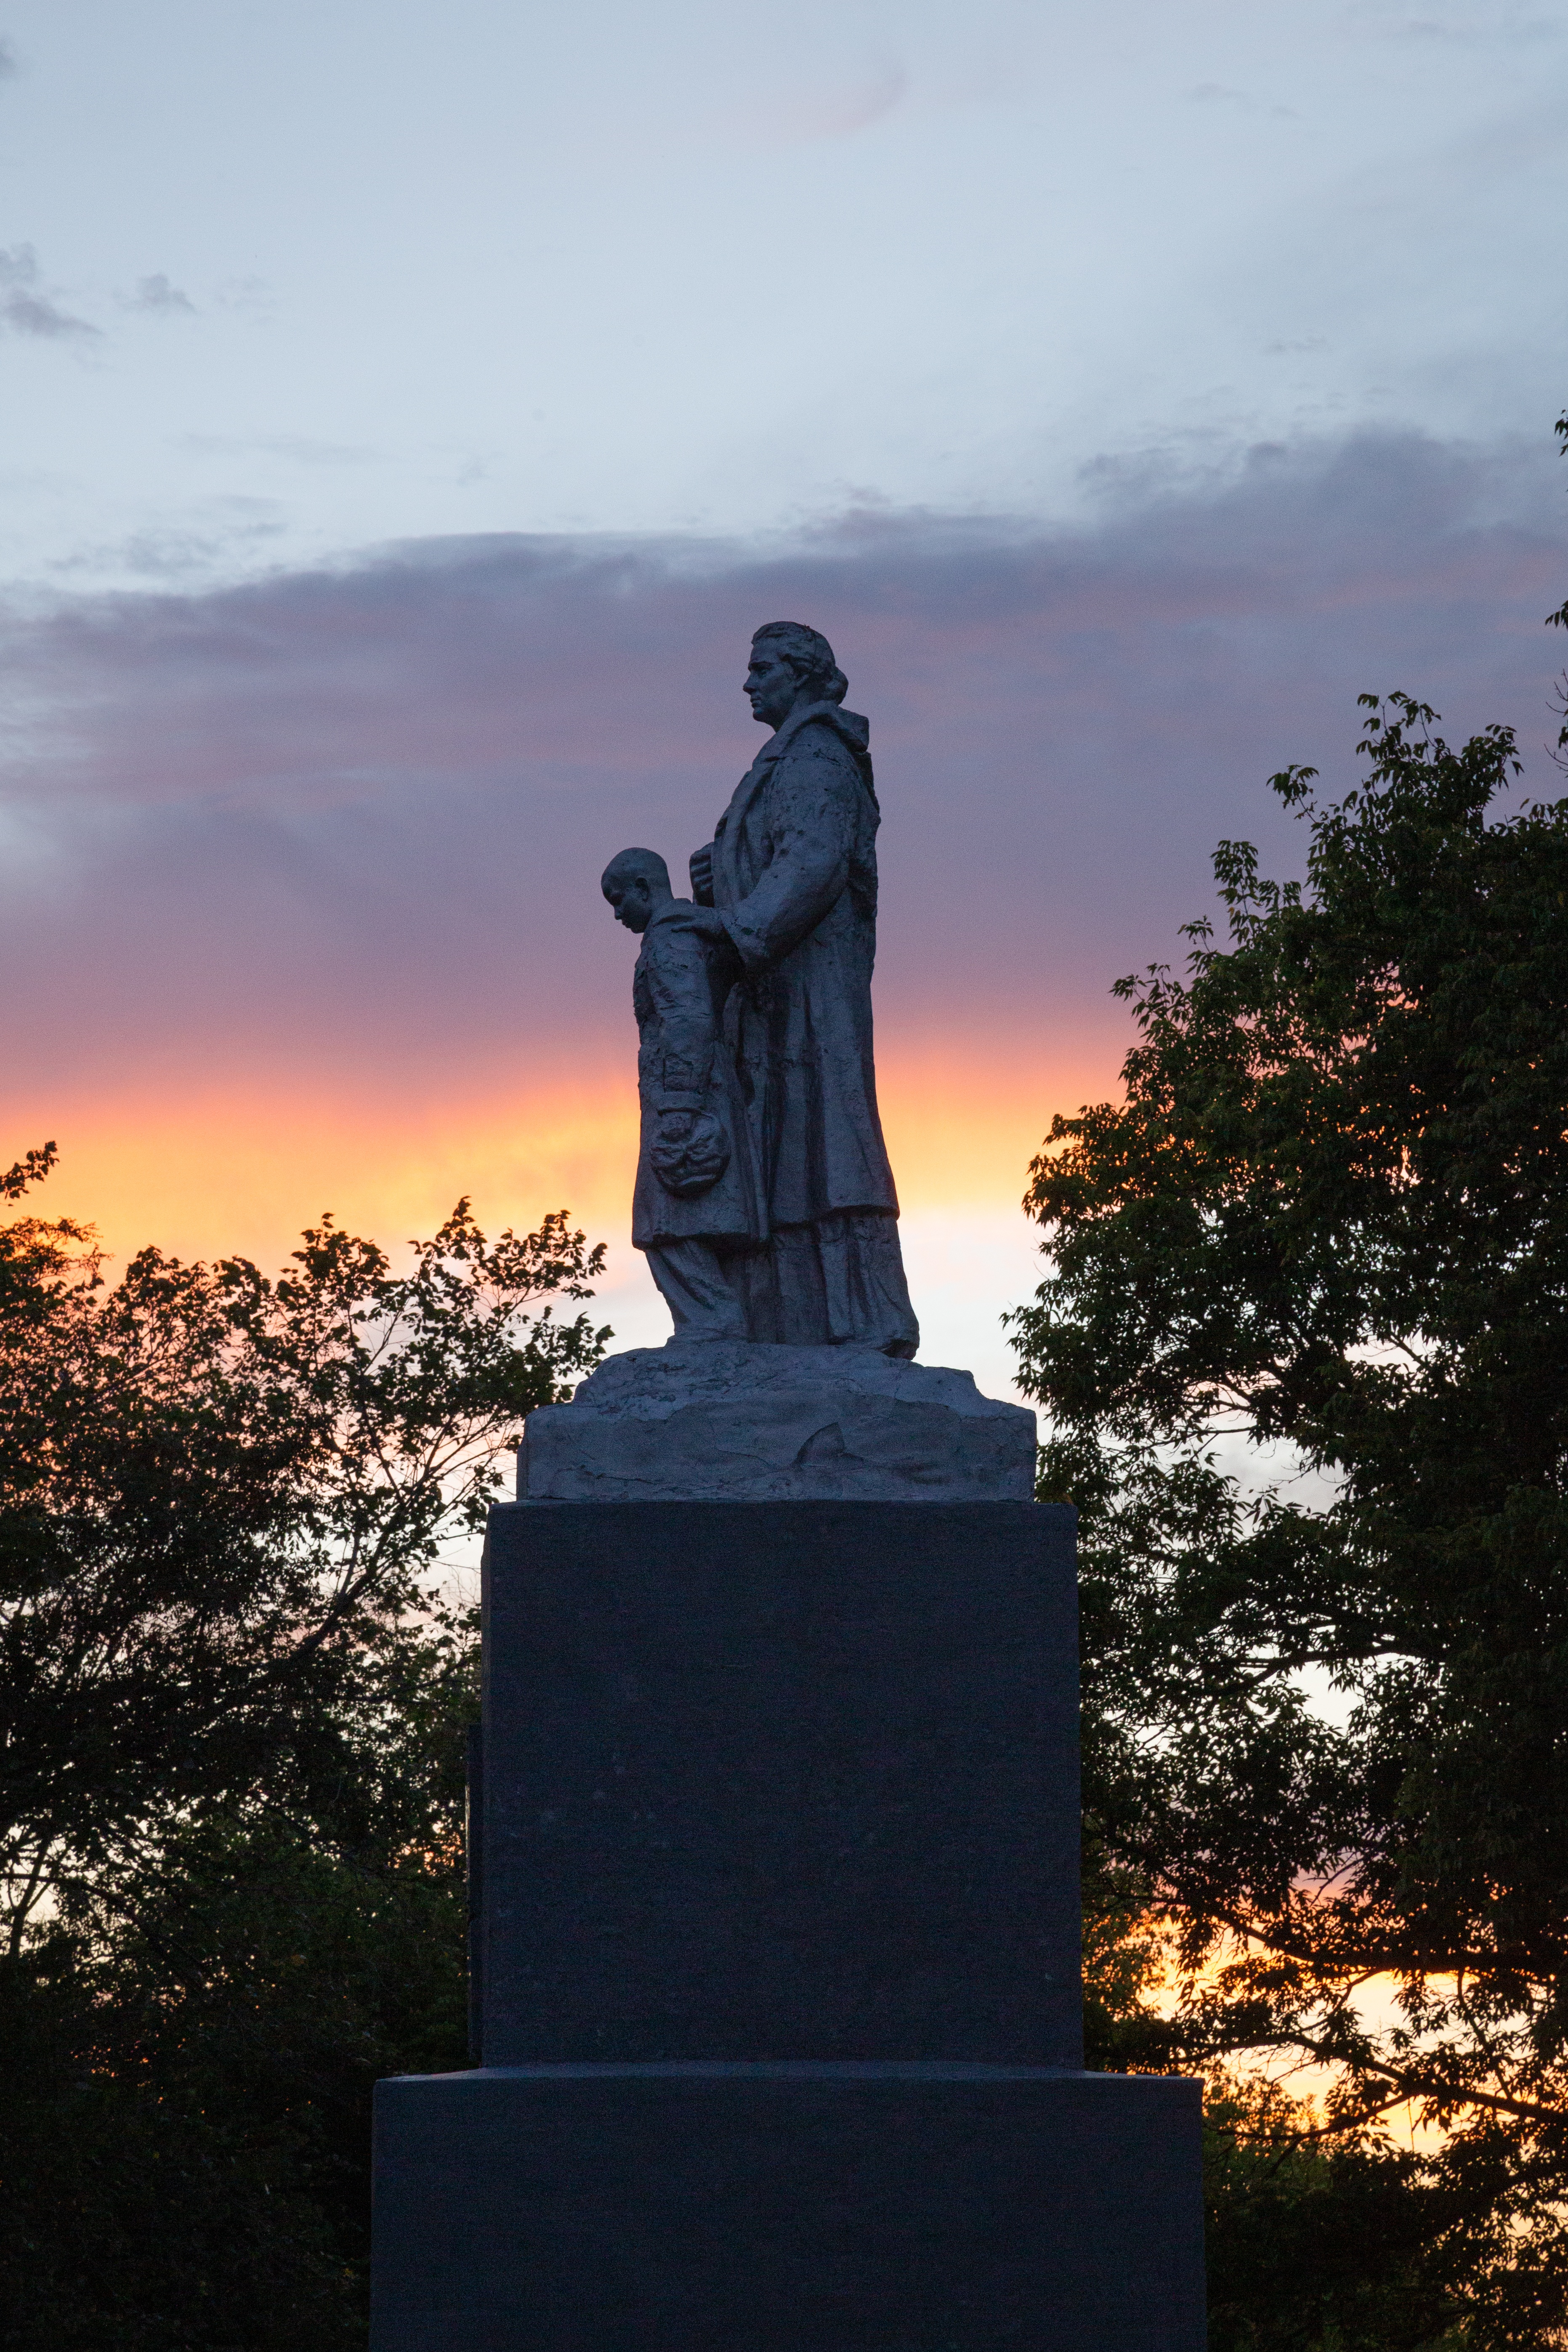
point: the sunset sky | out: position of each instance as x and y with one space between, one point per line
408 416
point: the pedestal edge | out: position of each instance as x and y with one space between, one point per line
781 2070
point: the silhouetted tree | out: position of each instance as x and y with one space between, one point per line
231 1720
1303 1345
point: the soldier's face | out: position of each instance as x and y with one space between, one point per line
771 686
629 901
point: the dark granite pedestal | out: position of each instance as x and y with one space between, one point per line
778 1960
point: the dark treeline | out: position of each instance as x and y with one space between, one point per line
235 1687
1302 1348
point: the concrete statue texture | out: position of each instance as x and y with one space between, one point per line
764 1198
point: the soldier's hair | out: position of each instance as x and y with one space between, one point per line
635 866
808 654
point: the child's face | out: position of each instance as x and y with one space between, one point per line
629 901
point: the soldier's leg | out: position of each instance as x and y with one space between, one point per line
694 1286
842 1283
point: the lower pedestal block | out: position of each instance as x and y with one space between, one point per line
882 2207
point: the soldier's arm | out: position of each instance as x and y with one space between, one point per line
812 810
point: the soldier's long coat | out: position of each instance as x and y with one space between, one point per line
794 874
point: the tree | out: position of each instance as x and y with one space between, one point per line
1303 1345
220 1499
1559 620
234 1692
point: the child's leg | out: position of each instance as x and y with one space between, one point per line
696 1290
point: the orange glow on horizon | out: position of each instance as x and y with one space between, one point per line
205 1170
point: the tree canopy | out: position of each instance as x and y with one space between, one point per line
235 1685
1303 1348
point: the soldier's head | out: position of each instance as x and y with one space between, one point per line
635 882
791 664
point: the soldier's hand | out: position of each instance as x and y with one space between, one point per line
701 865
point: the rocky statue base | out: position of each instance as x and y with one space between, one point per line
776 1868
725 1421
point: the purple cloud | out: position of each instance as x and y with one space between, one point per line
356 816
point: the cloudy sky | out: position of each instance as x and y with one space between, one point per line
409 413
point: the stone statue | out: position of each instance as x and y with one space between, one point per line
695 1197
764 1198
800 1243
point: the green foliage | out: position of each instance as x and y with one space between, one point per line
1315 2248
184 2149
221 1500
1303 1345
1126 1957
233 1702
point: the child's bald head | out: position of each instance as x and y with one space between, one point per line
635 882
637 865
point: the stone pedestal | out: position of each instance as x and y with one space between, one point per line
780 2006
779 2208
796 1781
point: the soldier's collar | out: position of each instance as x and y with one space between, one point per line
856 731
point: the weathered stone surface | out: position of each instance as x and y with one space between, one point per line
736 1420
763 1198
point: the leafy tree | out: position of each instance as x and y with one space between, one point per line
1317 2246
233 1708
1303 1345
221 1498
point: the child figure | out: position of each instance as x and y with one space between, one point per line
696 1199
